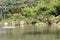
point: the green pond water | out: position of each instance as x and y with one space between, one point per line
16 35
31 37
26 34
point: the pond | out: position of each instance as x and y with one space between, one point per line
12 34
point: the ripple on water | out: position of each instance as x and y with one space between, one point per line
2 31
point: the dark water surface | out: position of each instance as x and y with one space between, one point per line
9 35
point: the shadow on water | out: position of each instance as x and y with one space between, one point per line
14 34
57 36
32 33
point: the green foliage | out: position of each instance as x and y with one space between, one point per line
30 10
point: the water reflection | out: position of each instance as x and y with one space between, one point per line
57 36
30 37
12 34
2 31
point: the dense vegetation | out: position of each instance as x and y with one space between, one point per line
29 10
